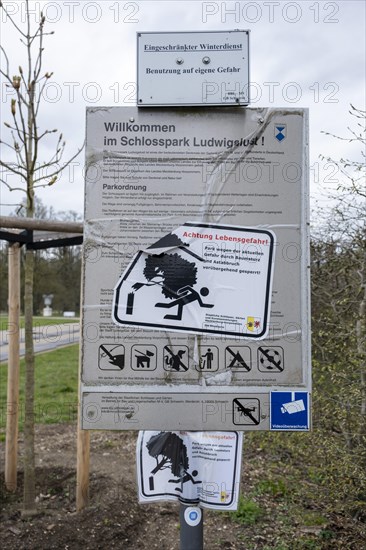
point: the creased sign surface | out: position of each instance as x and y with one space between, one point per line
192 467
201 278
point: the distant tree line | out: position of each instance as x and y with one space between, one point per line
57 271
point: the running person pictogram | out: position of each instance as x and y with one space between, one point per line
184 479
186 295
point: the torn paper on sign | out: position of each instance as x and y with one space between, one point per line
203 279
193 467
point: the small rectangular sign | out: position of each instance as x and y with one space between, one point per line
195 468
289 411
193 68
214 409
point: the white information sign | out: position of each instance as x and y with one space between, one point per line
195 468
196 278
201 279
193 68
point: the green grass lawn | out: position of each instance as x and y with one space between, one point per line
39 321
56 382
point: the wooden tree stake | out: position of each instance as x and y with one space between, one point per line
11 446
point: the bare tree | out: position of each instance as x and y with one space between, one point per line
24 142
353 171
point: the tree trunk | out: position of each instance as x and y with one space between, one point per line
11 445
160 465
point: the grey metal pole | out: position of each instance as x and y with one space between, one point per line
191 527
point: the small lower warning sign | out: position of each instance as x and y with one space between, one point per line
181 466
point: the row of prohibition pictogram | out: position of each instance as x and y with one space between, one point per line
175 358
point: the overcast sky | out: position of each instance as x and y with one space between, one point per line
303 54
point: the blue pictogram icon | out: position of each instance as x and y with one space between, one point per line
290 411
280 132
192 516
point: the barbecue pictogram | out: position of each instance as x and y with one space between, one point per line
238 357
246 411
143 357
270 359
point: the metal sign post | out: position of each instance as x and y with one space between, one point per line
191 527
